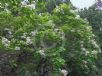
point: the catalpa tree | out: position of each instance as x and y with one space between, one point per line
37 43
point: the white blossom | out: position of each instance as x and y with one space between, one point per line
72 11
76 10
22 42
62 37
6 29
64 72
6 45
40 14
56 30
86 21
32 6
6 4
7 10
9 33
57 9
99 50
17 48
42 52
73 30
28 41
5 42
85 66
0 6
94 43
88 27
85 62
24 3
33 33
24 35
77 17
86 53
94 52
83 49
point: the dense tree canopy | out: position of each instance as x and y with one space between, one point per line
94 16
37 43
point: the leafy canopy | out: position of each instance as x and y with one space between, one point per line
45 43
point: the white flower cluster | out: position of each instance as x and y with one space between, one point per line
24 35
28 41
64 72
85 62
77 17
86 21
1 5
40 14
9 33
73 30
72 11
57 9
22 42
88 28
5 42
32 6
60 32
25 3
33 33
41 52
85 52
6 8
27 38
82 44
50 22
94 52
17 48
56 30
94 43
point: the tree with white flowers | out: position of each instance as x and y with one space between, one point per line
37 43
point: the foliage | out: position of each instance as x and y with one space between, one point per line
42 44
93 15
94 18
